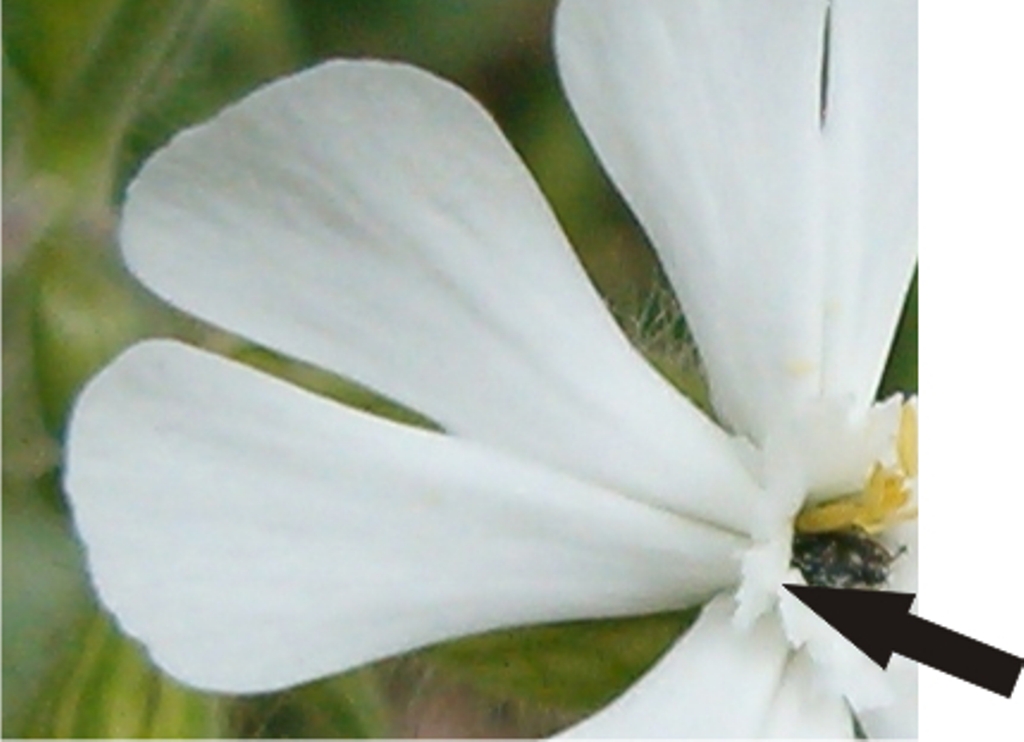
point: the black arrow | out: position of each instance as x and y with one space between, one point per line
880 623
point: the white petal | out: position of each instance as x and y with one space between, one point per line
842 668
254 536
831 448
705 115
370 218
898 720
719 681
771 227
803 709
870 142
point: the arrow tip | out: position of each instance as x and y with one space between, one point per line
867 618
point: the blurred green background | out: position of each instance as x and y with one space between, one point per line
89 90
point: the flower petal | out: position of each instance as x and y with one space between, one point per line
870 145
705 113
721 681
254 536
776 226
369 218
898 720
803 709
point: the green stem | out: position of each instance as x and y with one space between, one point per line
79 135
131 50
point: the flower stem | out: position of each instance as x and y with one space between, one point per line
79 134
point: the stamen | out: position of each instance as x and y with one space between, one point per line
906 440
882 502
886 498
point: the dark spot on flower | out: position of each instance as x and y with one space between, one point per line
843 559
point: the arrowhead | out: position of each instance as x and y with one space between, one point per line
870 619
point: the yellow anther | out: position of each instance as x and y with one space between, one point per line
906 441
882 503
834 515
886 497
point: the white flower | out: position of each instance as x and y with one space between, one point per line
369 218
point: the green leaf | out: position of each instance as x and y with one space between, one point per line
901 370
86 311
44 596
110 689
90 73
575 667
47 42
453 38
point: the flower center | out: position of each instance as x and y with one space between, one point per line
886 498
839 489
853 540
833 544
